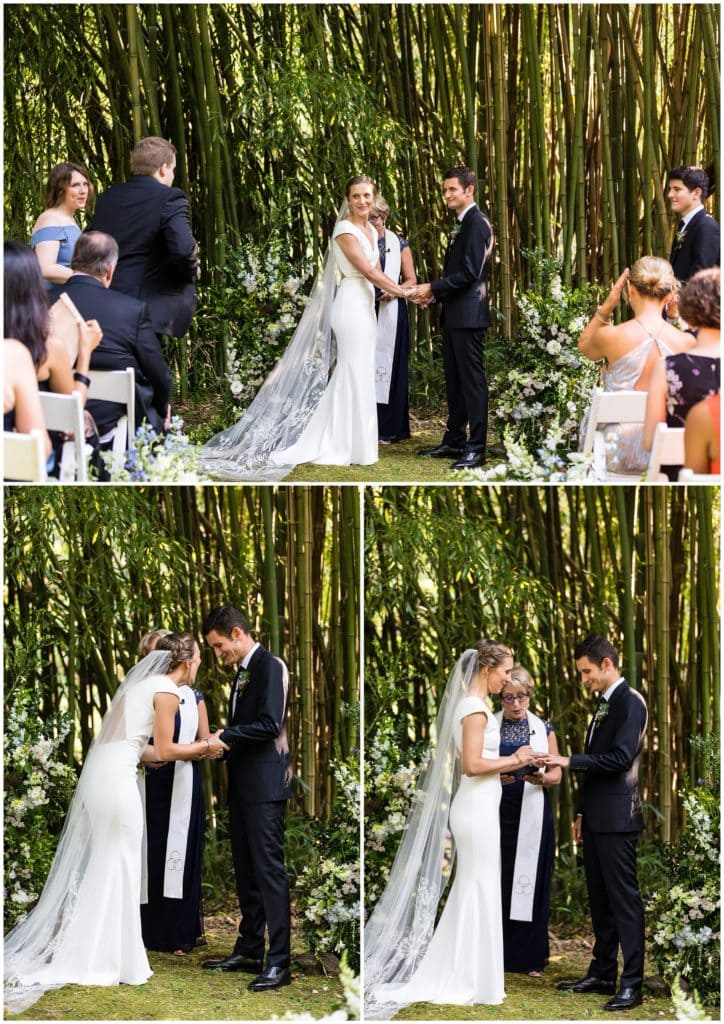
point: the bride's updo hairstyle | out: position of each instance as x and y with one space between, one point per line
181 646
653 277
359 179
491 653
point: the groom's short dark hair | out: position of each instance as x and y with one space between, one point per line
596 648
223 619
465 175
692 177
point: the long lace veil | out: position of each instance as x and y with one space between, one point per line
288 397
31 946
400 927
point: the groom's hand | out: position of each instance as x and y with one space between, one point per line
552 761
577 829
422 295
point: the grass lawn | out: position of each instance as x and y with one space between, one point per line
181 990
538 999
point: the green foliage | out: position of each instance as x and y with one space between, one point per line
541 386
328 888
251 307
38 786
391 773
686 910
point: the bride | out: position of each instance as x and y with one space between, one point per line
301 413
86 927
407 958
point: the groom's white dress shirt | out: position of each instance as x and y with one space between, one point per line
466 210
606 695
244 665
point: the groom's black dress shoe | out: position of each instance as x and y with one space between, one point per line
588 984
470 460
441 451
272 977
626 999
233 962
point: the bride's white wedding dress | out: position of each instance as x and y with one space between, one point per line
311 409
86 927
463 962
343 429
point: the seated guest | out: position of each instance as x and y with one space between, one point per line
702 436
393 331
26 318
149 218
55 232
631 349
21 399
679 381
129 339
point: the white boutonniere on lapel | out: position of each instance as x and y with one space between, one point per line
679 240
601 711
454 235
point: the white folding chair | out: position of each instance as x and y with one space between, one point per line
688 476
24 457
65 413
667 450
611 407
117 386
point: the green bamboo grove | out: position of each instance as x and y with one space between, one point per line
541 568
571 114
89 572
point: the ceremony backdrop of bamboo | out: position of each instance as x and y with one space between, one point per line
540 568
571 114
88 571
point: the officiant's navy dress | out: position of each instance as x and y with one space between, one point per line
525 943
173 924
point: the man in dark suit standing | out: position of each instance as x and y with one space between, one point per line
259 786
698 236
149 219
609 824
128 336
463 292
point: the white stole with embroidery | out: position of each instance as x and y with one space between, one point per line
530 830
181 799
387 322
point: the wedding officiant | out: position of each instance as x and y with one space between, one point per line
527 838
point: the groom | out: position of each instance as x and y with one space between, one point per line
463 292
259 786
609 824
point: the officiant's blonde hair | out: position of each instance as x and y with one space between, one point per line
521 679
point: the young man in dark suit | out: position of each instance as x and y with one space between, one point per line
609 824
698 237
259 786
463 292
128 336
149 219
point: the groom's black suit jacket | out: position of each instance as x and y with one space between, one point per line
610 763
463 288
157 260
700 248
258 761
